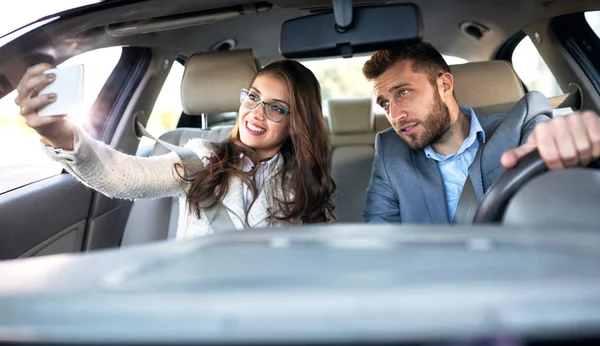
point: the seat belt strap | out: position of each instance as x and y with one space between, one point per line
219 219
186 155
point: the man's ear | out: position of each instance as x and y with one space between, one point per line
447 83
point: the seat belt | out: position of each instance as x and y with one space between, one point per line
183 153
218 217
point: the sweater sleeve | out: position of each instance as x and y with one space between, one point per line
120 175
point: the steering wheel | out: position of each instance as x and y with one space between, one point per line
497 197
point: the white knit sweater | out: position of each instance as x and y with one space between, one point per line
118 175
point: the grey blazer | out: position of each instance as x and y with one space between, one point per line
406 186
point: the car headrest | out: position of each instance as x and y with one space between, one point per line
212 81
353 115
489 87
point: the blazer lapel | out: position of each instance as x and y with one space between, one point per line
493 147
508 133
234 202
490 166
432 186
475 173
260 209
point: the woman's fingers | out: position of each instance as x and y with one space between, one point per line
34 79
30 106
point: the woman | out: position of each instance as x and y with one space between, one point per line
272 170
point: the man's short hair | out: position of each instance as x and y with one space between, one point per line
424 58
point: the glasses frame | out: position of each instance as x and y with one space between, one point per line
244 95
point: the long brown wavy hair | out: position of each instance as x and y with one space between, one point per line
306 152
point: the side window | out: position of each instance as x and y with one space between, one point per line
532 69
535 74
23 162
167 109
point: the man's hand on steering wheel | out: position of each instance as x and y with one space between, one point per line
564 141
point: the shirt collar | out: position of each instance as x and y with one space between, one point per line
475 131
247 164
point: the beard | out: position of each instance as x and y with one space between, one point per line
435 128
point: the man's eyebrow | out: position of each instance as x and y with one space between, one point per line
398 86
392 89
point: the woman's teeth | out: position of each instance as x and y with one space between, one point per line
255 128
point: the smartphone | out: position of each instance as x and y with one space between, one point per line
68 87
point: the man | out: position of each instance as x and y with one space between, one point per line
422 162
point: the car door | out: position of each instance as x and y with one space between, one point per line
43 210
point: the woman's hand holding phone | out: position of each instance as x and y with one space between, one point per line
36 91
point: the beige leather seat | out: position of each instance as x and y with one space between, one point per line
352 133
489 87
211 84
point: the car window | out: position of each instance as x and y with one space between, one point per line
593 19
342 78
532 69
167 109
534 73
23 160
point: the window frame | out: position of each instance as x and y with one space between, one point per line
581 42
115 95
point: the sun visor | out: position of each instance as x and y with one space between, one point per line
348 31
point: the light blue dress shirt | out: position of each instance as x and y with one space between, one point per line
454 168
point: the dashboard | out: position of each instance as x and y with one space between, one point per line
335 284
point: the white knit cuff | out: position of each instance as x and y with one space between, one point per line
68 156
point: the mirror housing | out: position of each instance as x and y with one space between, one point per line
371 28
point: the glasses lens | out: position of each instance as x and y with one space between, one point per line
275 112
248 99
243 95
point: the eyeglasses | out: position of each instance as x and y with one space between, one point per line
273 111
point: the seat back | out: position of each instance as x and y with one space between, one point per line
211 84
352 134
212 81
489 87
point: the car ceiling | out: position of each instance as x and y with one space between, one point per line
260 32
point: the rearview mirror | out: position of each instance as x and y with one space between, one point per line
371 28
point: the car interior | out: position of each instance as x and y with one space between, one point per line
217 47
